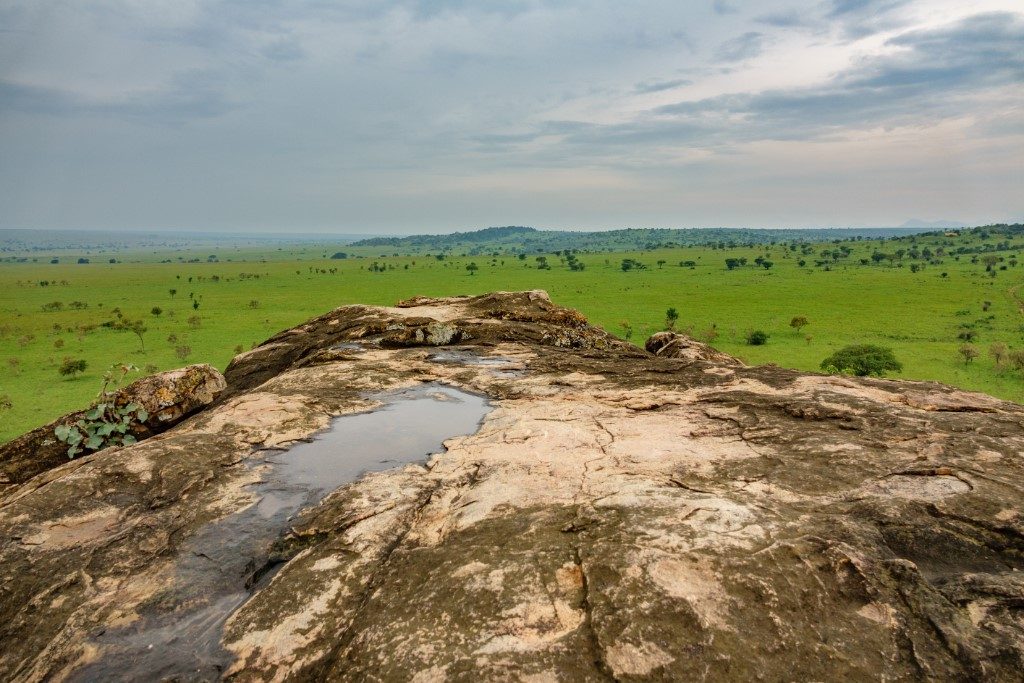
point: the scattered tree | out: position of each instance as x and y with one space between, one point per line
472 268
999 353
671 317
156 311
136 327
862 360
757 338
183 351
968 352
172 292
72 366
799 322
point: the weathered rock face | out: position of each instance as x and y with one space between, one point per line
168 398
675 345
617 515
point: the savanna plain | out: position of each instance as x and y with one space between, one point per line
949 304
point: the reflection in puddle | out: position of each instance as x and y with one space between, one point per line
178 635
468 358
502 367
348 346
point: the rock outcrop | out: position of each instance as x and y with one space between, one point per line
618 515
675 345
168 398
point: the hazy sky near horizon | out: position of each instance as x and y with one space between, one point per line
401 116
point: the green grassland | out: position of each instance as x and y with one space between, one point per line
249 293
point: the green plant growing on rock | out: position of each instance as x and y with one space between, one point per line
105 423
862 360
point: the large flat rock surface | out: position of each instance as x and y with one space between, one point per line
596 512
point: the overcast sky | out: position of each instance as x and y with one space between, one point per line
401 116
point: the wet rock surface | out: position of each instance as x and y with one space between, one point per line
617 515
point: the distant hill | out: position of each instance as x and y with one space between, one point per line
526 239
932 225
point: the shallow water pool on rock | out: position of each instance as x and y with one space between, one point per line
179 635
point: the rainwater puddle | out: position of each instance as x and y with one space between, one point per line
179 635
500 367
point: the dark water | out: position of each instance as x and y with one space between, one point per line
178 638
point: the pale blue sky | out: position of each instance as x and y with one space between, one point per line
399 116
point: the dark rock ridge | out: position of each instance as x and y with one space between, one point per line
618 515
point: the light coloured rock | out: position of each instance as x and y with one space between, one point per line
618 515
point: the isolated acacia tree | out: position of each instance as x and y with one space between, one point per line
799 322
472 268
136 327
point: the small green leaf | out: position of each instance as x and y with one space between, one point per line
74 437
142 415
97 411
94 443
128 439
73 451
132 407
62 432
121 428
104 429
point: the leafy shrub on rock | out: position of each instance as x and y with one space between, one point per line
105 424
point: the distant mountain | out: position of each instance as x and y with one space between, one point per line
932 225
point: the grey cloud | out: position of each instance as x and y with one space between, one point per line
194 94
840 8
724 7
861 18
659 86
935 77
786 19
746 46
